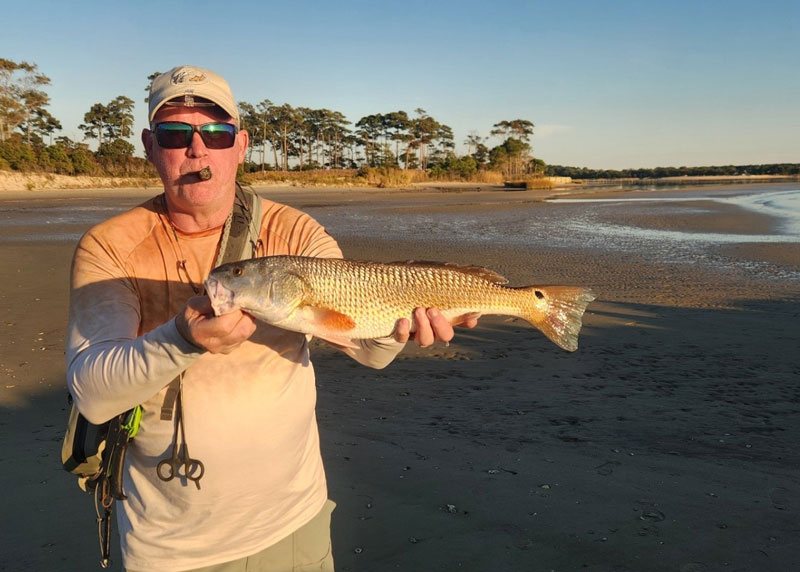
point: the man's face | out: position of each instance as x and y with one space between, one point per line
178 167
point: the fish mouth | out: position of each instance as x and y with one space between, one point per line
222 298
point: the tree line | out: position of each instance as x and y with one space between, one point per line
27 130
284 137
786 169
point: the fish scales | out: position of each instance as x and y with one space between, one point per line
342 300
376 295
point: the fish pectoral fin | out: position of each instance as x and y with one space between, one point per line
331 319
331 326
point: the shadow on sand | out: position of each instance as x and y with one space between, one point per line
667 440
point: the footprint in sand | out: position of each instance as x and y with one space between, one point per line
779 497
651 513
606 468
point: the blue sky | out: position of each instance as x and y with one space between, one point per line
607 84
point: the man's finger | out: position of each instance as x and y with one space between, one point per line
402 330
424 336
246 325
228 323
201 305
442 330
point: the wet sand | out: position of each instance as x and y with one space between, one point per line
667 442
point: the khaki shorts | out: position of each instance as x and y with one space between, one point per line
308 548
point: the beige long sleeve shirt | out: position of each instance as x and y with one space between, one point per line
249 416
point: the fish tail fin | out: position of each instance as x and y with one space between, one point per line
561 319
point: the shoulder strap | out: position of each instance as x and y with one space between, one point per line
239 241
240 236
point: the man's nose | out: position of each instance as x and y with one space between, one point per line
198 147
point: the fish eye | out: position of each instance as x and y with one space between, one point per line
237 271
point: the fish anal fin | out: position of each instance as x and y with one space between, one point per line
463 318
340 341
478 271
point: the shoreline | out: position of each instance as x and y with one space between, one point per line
666 442
23 182
348 193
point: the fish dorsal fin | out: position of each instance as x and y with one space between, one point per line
478 271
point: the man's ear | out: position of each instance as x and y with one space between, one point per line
243 140
147 141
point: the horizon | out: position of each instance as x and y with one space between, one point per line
609 87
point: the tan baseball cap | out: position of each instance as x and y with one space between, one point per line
183 85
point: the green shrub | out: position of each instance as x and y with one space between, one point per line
453 167
59 159
19 155
83 161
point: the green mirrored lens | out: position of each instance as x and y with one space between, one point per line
218 135
174 135
178 135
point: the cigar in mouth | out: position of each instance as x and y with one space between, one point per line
204 174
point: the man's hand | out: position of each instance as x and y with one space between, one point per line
431 326
217 334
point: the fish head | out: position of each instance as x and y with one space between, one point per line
261 288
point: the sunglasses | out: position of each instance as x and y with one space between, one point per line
178 135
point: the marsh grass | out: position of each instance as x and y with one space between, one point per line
366 177
488 177
530 183
321 177
381 177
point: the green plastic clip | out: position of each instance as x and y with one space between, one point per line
131 424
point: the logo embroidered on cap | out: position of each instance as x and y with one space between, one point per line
188 75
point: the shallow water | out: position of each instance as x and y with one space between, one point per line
559 223
783 205
584 223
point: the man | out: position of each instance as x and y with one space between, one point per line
140 333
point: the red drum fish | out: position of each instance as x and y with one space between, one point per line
343 300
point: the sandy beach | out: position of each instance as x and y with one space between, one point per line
667 442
